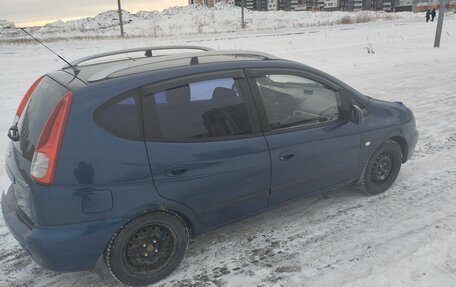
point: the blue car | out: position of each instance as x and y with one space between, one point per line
123 159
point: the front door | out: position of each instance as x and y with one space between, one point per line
205 147
311 147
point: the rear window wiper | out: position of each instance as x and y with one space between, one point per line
13 133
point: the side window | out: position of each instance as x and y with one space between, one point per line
206 109
291 101
120 117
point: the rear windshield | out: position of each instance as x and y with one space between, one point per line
32 121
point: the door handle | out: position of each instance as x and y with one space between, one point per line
287 155
174 171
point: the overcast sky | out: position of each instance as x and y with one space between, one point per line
42 11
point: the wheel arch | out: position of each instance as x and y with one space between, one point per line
183 218
398 139
185 214
403 144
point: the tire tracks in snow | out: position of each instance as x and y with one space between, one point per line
307 241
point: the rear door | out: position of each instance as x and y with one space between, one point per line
205 147
312 147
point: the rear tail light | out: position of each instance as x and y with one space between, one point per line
25 99
44 162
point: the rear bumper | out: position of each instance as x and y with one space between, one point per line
66 248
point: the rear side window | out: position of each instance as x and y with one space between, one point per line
204 109
42 101
121 116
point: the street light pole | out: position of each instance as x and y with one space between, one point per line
120 19
242 14
438 32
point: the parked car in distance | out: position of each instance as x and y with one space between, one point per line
125 159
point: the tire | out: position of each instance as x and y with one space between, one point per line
147 249
382 168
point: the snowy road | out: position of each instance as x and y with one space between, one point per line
404 237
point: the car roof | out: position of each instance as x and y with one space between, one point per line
132 72
114 68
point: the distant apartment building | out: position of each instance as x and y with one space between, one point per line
330 5
407 2
358 5
259 5
271 5
209 3
423 5
299 5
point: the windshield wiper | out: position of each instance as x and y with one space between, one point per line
13 133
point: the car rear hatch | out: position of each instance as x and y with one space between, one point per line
25 133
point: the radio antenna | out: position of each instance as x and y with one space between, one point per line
68 63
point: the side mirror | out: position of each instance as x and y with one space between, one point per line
356 114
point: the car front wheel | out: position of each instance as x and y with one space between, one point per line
147 249
382 168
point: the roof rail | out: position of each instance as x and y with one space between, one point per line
245 53
193 60
147 50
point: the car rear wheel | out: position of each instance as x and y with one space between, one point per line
147 249
382 168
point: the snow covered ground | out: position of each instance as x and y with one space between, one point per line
404 237
196 19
